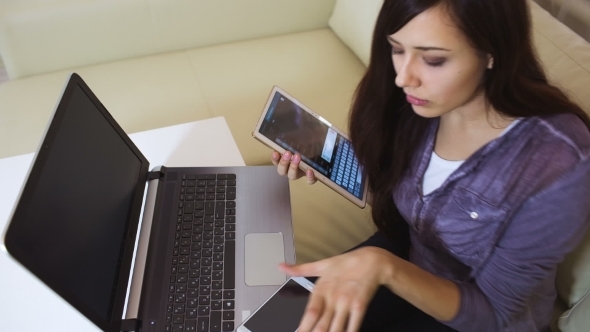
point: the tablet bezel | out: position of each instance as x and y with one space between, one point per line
303 165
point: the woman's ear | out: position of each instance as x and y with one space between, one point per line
490 62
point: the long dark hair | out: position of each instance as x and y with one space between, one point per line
384 129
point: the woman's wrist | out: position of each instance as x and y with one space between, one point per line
386 262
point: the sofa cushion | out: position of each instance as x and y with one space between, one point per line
577 319
564 54
141 94
573 277
353 21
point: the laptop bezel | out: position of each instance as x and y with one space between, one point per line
16 229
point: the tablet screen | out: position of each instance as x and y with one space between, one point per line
320 146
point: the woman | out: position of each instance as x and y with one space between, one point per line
480 174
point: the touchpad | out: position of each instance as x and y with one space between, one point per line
264 252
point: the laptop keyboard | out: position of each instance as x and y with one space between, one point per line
201 295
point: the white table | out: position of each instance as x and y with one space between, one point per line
26 304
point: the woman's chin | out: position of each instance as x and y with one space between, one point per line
426 111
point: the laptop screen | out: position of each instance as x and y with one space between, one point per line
71 226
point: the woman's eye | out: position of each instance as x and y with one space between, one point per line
396 51
435 63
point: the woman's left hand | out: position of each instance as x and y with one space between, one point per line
346 285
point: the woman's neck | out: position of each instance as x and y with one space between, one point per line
466 129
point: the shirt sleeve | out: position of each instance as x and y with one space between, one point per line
547 227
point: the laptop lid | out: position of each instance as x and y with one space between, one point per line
74 225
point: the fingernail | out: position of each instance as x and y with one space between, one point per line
296 158
286 156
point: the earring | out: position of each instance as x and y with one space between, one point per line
491 63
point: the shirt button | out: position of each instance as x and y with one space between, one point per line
474 215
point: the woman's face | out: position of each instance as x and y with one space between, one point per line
436 66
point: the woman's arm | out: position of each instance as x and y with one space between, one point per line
546 228
438 297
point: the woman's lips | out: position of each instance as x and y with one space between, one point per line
415 101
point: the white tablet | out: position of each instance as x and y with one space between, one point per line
288 125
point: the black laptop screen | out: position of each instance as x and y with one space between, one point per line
74 220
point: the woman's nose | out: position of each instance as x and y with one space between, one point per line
406 76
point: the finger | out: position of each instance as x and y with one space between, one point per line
323 324
293 172
275 157
339 317
311 179
357 314
341 311
284 163
303 270
312 313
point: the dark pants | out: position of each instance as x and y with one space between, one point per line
389 312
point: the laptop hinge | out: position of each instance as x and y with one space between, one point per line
130 325
157 175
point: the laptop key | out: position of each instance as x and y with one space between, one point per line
204 300
216 305
228 326
209 208
204 290
231 195
178 309
192 313
178 328
192 303
230 304
229 277
203 324
203 310
190 325
178 319
217 284
219 210
229 294
216 321
228 315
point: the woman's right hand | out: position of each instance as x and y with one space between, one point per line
288 165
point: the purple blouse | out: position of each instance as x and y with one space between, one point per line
503 221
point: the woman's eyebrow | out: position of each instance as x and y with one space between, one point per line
422 48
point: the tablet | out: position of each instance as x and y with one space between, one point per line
288 125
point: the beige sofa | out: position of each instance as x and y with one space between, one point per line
156 63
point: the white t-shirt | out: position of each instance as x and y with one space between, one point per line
440 169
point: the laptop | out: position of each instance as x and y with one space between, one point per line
175 249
